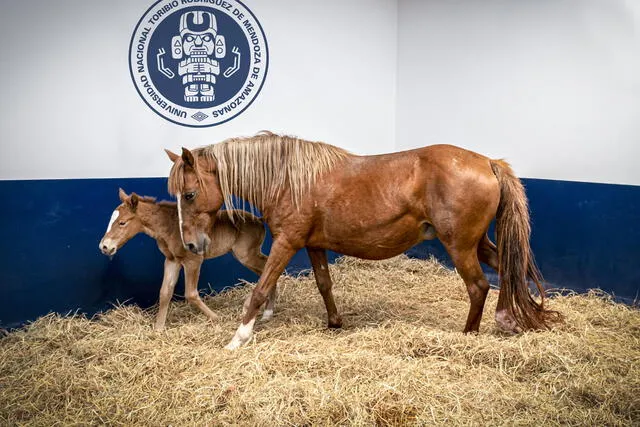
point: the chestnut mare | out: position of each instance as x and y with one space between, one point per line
317 196
139 214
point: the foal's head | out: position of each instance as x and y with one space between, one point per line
194 182
124 224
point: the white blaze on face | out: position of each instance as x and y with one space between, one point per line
180 218
114 216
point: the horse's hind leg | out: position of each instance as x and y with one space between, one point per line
488 254
171 274
468 266
320 265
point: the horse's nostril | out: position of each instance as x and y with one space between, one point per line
192 247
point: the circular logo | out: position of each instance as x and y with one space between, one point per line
198 62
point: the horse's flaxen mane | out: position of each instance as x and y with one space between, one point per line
258 168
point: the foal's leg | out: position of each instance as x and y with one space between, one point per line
253 258
191 276
281 253
171 274
488 253
320 265
468 266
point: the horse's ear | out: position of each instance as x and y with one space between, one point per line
172 156
133 201
123 196
187 157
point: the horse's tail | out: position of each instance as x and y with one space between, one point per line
515 258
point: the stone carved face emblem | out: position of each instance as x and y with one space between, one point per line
198 33
198 44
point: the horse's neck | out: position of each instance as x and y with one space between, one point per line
159 222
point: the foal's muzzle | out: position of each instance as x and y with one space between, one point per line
107 248
200 246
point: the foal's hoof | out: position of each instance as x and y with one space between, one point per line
267 315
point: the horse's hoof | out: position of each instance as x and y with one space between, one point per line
230 347
234 344
506 323
335 323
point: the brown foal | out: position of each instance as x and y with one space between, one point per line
316 196
160 221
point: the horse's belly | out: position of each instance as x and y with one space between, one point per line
370 242
372 252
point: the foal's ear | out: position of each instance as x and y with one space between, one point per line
133 201
187 157
123 196
172 156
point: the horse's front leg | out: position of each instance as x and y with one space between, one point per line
281 253
269 307
249 254
171 274
191 276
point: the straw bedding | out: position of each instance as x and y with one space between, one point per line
400 359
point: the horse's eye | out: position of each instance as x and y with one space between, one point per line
123 223
190 196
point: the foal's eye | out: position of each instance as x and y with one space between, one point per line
123 223
190 196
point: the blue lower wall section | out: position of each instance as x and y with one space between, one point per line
584 236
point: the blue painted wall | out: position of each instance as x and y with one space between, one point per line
584 236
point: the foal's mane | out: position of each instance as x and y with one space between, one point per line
258 168
147 199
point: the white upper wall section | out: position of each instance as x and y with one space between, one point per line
69 108
553 86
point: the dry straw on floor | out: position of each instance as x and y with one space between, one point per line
399 360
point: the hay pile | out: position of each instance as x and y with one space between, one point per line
400 359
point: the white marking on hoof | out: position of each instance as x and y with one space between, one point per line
267 314
114 216
242 336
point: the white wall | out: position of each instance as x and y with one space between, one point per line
70 110
553 86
